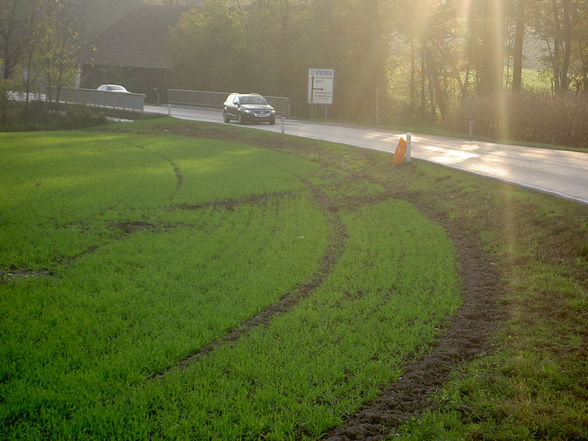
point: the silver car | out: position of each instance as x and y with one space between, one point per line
112 88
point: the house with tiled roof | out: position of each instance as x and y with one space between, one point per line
134 50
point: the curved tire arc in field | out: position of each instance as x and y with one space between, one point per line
347 326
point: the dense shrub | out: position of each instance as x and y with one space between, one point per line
41 116
529 116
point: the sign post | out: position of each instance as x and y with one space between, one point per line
408 146
320 87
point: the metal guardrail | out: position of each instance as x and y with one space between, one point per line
203 98
100 98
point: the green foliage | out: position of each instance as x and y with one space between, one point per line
269 46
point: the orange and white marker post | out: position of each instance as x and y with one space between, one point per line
400 152
403 150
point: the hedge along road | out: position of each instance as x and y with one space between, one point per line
559 172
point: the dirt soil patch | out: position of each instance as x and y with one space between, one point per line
231 204
6 275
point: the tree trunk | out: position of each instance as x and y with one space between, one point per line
412 74
492 66
567 46
423 73
436 91
518 47
555 58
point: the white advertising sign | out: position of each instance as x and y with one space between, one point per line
320 86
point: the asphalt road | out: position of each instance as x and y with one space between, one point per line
558 172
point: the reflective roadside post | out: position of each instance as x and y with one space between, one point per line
408 146
283 124
168 109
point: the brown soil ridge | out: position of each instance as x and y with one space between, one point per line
465 337
231 204
332 254
6 275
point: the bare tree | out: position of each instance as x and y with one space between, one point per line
14 33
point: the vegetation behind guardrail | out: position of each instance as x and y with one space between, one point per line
202 98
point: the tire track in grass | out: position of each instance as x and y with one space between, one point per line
128 228
11 274
335 248
231 204
177 171
464 338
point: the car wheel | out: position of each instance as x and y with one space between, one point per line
272 122
226 117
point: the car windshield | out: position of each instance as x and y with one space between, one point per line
116 88
253 99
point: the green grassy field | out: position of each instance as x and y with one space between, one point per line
126 259
233 284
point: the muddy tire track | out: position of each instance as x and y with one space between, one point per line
12 274
466 336
335 248
231 204
129 228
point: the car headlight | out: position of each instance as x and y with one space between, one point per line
272 111
247 111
